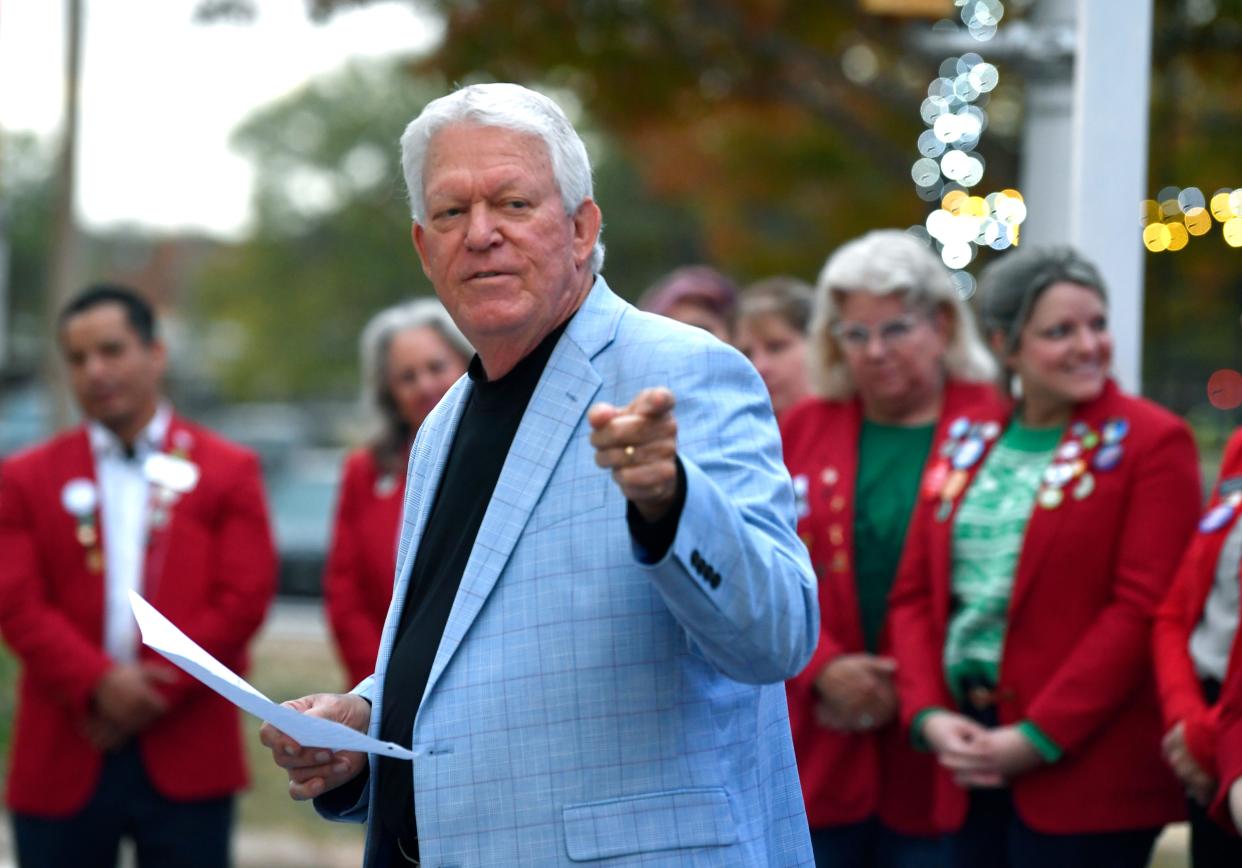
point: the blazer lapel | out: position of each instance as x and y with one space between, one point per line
1044 525
77 462
561 398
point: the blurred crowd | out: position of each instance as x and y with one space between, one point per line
1028 612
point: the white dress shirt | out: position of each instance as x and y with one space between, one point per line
123 504
1213 637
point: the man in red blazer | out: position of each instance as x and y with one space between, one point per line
109 740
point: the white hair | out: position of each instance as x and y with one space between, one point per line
884 262
388 431
510 107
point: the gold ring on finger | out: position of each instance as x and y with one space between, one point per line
629 453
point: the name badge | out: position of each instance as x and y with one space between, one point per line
170 472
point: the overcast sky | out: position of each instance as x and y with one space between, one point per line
161 95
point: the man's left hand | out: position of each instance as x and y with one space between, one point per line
638 443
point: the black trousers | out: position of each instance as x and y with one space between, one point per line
166 834
994 836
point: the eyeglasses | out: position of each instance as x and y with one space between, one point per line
856 336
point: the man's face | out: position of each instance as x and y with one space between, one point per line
506 260
114 375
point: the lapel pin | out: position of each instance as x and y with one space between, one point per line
168 471
1108 457
1216 518
1051 498
79 497
1086 485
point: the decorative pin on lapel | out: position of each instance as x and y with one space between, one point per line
968 453
1217 517
1050 497
80 499
934 480
168 471
1108 456
801 485
385 485
1086 485
1115 430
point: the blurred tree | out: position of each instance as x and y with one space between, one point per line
27 190
783 127
329 244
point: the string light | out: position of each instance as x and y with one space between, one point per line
949 163
1176 215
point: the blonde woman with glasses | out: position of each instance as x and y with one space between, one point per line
895 356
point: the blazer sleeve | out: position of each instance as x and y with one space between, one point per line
1229 736
353 627
1113 657
244 579
53 651
918 645
736 577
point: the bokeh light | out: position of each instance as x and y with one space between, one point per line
949 163
1178 214
1224 389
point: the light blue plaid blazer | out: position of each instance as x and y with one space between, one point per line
586 706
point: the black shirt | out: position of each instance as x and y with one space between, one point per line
488 425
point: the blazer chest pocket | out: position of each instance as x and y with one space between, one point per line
566 499
647 823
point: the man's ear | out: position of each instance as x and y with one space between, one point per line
587 223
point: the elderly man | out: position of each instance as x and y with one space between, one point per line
585 668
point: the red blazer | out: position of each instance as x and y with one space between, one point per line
358 578
1181 698
211 569
1077 656
848 777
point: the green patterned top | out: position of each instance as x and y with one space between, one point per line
987 539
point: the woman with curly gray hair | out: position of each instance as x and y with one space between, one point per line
411 354
895 357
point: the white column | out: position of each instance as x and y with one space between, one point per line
1112 86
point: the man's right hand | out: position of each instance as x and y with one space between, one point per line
314 771
126 698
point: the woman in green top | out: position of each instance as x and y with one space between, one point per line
1022 610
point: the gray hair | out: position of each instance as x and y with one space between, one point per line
510 107
788 298
884 262
389 432
1010 286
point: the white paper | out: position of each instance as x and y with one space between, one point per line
162 636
